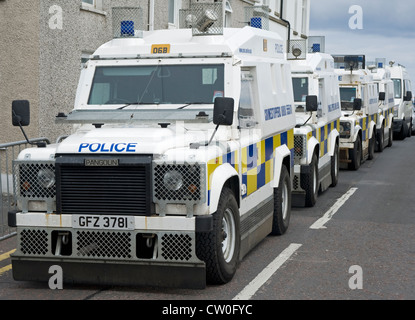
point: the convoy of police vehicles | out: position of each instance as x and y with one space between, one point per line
185 152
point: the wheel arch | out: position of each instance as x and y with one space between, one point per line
224 175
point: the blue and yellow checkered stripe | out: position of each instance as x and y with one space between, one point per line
256 166
322 135
364 123
386 114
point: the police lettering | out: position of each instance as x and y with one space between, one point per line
106 147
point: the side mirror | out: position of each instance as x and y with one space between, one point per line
21 113
357 104
311 103
408 96
223 111
382 96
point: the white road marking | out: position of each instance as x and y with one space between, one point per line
319 224
249 291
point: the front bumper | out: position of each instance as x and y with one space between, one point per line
160 251
111 272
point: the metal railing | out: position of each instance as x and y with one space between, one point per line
8 153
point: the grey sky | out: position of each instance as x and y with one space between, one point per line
388 29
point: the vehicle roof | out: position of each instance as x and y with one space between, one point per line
315 62
245 41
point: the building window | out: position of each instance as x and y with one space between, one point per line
92 4
174 8
171 11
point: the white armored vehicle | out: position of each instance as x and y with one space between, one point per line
180 162
359 104
316 136
384 125
402 111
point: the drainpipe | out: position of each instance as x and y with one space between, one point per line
151 15
288 23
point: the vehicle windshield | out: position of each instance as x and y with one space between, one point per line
160 84
397 83
300 87
347 96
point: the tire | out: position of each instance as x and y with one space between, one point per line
219 249
390 142
356 155
403 133
380 139
282 204
335 167
409 130
311 183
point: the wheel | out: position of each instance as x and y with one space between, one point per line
282 204
219 249
356 155
403 133
380 138
311 183
409 134
390 142
335 166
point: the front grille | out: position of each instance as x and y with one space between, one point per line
299 146
189 190
102 244
176 247
99 245
295 183
34 242
34 181
119 190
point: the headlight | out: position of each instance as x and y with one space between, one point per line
345 130
173 180
46 178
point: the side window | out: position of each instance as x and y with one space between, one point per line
407 86
247 100
300 88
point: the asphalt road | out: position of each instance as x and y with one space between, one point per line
364 249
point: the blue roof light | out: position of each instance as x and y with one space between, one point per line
127 28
